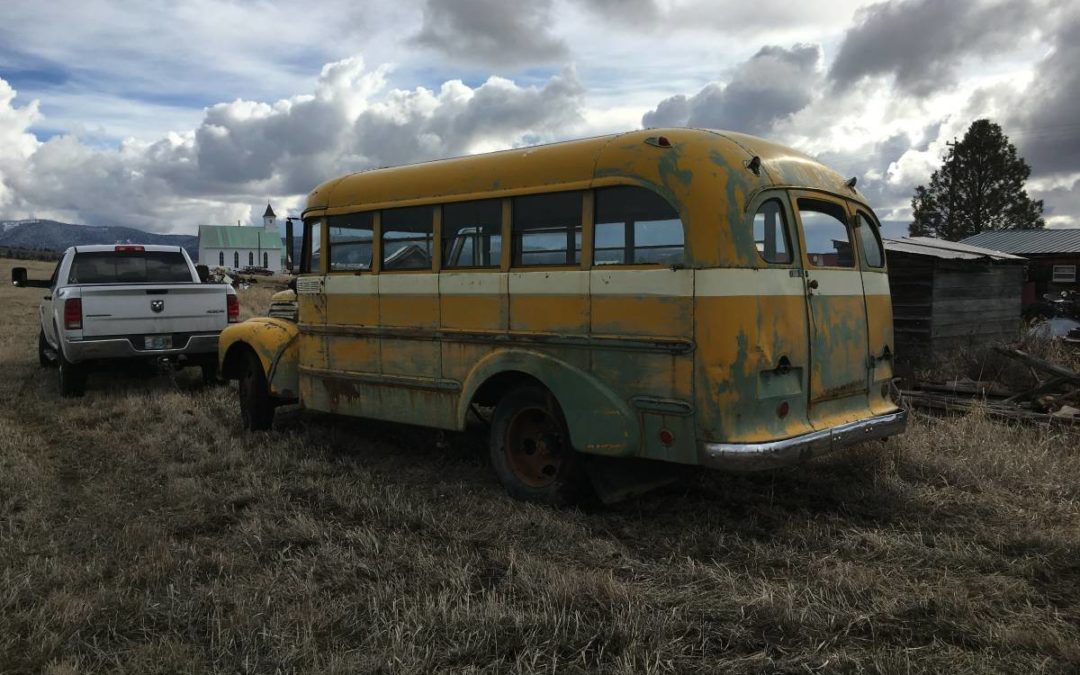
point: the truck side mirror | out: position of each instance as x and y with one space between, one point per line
203 271
18 276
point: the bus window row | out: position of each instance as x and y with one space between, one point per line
632 226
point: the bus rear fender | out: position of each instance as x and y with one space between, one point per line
274 342
599 421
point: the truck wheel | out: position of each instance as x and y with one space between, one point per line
256 408
43 351
531 451
71 376
210 374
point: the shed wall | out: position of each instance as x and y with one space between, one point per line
978 302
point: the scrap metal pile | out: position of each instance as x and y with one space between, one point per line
1053 398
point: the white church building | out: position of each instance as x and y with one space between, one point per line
237 246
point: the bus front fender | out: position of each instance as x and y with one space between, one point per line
274 342
599 422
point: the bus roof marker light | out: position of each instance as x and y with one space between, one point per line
754 165
658 141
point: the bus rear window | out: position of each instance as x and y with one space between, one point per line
129 267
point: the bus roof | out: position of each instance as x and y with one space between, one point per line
576 164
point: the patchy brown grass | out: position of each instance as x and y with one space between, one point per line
141 531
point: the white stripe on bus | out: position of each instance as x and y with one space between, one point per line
719 282
473 283
662 282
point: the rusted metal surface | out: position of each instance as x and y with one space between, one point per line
275 342
735 349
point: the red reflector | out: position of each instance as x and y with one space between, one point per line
129 249
234 308
782 410
667 439
73 314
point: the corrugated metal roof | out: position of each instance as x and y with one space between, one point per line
234 236
1060 240
946 250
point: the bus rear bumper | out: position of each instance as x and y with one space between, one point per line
777 454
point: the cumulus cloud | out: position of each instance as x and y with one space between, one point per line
1044 120
491 32
921 42
770 86
16 141
245 151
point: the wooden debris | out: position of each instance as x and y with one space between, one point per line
1053 399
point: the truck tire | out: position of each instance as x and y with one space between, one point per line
531 451
210 374
70 376
256 406
43 351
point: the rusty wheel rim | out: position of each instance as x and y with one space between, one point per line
534 447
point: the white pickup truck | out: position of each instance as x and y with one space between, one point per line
108 304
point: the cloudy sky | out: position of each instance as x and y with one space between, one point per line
164 115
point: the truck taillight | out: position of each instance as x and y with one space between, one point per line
73 314
234 308
129 249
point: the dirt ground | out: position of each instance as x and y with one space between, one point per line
141 531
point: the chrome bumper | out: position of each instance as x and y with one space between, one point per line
776 454
77 351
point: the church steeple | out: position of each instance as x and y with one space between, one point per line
269 219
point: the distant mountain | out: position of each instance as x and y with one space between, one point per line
55 236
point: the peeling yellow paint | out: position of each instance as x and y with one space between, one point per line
724 348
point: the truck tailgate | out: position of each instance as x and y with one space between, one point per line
146 309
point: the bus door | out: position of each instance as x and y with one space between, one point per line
879 322
311 306
836 311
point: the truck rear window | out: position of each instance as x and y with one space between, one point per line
129 267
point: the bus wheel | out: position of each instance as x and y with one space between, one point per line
531 451
256 408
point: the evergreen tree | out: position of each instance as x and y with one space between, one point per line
980 186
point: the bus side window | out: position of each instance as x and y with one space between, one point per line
472 234
771 233
407 238
636 226
547 229
351 238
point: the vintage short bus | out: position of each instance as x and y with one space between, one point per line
691 296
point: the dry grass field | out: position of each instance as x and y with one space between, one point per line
142 532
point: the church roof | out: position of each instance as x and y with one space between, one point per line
269 211
235 236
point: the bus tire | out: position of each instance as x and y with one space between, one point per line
256 407
531 450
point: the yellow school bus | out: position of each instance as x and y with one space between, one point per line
691 296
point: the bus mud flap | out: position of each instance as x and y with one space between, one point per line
617 478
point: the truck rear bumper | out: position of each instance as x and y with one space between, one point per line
776 454
92 349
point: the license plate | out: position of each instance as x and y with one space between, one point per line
157 342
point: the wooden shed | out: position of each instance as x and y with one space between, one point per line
946 295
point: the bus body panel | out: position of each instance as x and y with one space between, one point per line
644 360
